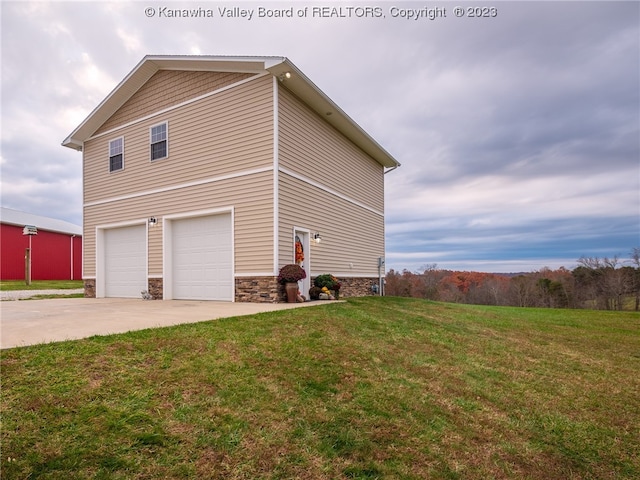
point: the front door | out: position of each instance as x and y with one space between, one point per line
302 257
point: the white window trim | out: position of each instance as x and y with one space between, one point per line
166 123
109 154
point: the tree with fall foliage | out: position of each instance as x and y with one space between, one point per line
598 283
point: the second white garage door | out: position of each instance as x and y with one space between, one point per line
202 258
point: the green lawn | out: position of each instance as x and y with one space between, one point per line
40 284
371 388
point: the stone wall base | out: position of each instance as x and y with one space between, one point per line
155 288
259 290
356 286
267 289
89 288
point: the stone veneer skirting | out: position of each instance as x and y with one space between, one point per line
356 286
155 288
266 289
90 288
260 289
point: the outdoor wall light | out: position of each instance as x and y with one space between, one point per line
285 76
153 221
317 237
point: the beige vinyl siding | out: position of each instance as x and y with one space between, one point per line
166 88
88 249
308 145
250 195
352 237
218 135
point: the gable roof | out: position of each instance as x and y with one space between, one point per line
16 217
296 82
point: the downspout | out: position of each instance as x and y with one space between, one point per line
381 261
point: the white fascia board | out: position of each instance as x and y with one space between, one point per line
72 143
214 63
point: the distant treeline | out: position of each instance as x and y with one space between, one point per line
596 283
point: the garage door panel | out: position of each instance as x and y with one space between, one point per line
125 261
202 258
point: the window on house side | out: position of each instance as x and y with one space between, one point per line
159 141
116 154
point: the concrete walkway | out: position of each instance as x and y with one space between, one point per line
42 321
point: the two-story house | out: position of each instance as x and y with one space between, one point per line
202 173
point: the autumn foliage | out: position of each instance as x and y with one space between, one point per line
607 284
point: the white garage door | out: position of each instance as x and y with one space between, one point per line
125 261
202 258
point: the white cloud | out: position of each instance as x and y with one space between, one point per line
88 76
130 41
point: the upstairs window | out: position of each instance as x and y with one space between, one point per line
159 146
116 154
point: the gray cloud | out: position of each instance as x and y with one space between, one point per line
518 135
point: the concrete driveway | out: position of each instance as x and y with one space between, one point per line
40 321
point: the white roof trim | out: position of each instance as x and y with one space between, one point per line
15 217
298 83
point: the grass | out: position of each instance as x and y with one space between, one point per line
371 388
40 285
53 295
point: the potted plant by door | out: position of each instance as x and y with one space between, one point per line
328 281
289 276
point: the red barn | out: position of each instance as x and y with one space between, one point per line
56 250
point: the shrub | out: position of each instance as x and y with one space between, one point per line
291 273
327 280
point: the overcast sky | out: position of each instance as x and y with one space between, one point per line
518 133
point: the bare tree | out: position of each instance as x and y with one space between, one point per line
427 286
606 280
